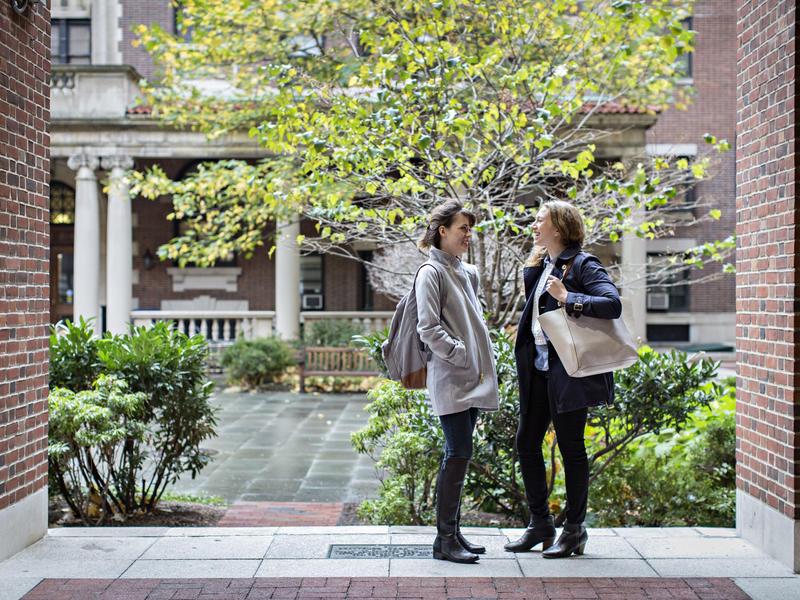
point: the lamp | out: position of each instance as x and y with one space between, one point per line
148 260
20 6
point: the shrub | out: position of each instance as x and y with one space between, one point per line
685 477
403 436
332 332
660 391
373 343
161 438
254 363
74 363
88 432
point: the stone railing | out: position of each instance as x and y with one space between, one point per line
218 327
370 321
92 91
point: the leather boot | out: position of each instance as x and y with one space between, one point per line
572 539
468 546
539 531
447 545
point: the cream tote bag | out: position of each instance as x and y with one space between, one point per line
587 345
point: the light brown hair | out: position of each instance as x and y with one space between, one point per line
569 224
443 215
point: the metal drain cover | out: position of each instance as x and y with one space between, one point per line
380 551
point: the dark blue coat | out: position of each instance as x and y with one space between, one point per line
591 288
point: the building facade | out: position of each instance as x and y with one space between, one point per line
24 285
99 131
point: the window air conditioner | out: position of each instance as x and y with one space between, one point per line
312 301
658 301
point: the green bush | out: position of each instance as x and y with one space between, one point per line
685 477
403 436
659 392
254 363
161 438
74 363
336 333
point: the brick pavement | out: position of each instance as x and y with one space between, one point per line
309 588
281 514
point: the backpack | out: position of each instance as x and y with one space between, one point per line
404 353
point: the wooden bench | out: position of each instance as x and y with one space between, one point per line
341 362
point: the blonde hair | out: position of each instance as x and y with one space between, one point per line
569 224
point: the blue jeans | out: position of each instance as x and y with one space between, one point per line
458 428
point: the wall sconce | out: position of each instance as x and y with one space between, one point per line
148 260
20 6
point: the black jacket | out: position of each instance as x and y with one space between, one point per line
589 287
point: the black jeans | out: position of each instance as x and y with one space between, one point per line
458 428
569 428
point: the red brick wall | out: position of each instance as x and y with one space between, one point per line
767 279
142 12
712 111
24 250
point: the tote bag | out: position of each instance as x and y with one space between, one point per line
587 345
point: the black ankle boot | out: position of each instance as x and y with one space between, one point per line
539 531
447 545
572 539
468 546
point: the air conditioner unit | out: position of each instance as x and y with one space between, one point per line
312 301
658 301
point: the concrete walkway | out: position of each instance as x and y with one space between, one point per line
186 555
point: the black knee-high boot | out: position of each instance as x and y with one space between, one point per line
450 483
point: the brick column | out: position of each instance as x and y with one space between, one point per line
767 280
24 274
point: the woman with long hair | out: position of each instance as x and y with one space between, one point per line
462 377
559 274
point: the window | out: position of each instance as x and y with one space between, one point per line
64 271
62 204
71 41
367 299
684 66
666 292
667 333
311 283
178 27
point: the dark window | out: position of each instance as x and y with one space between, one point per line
71 41
62 204
178 28
666 292
685 60
667 333
367 293
312 282
65 271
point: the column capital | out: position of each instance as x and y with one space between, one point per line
116 162
76 161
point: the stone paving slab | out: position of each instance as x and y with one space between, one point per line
227 547
384 587
218 554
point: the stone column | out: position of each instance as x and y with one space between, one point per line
86 277
634 293
287 280
119 245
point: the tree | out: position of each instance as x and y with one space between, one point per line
377 110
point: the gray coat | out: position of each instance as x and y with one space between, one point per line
461 371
